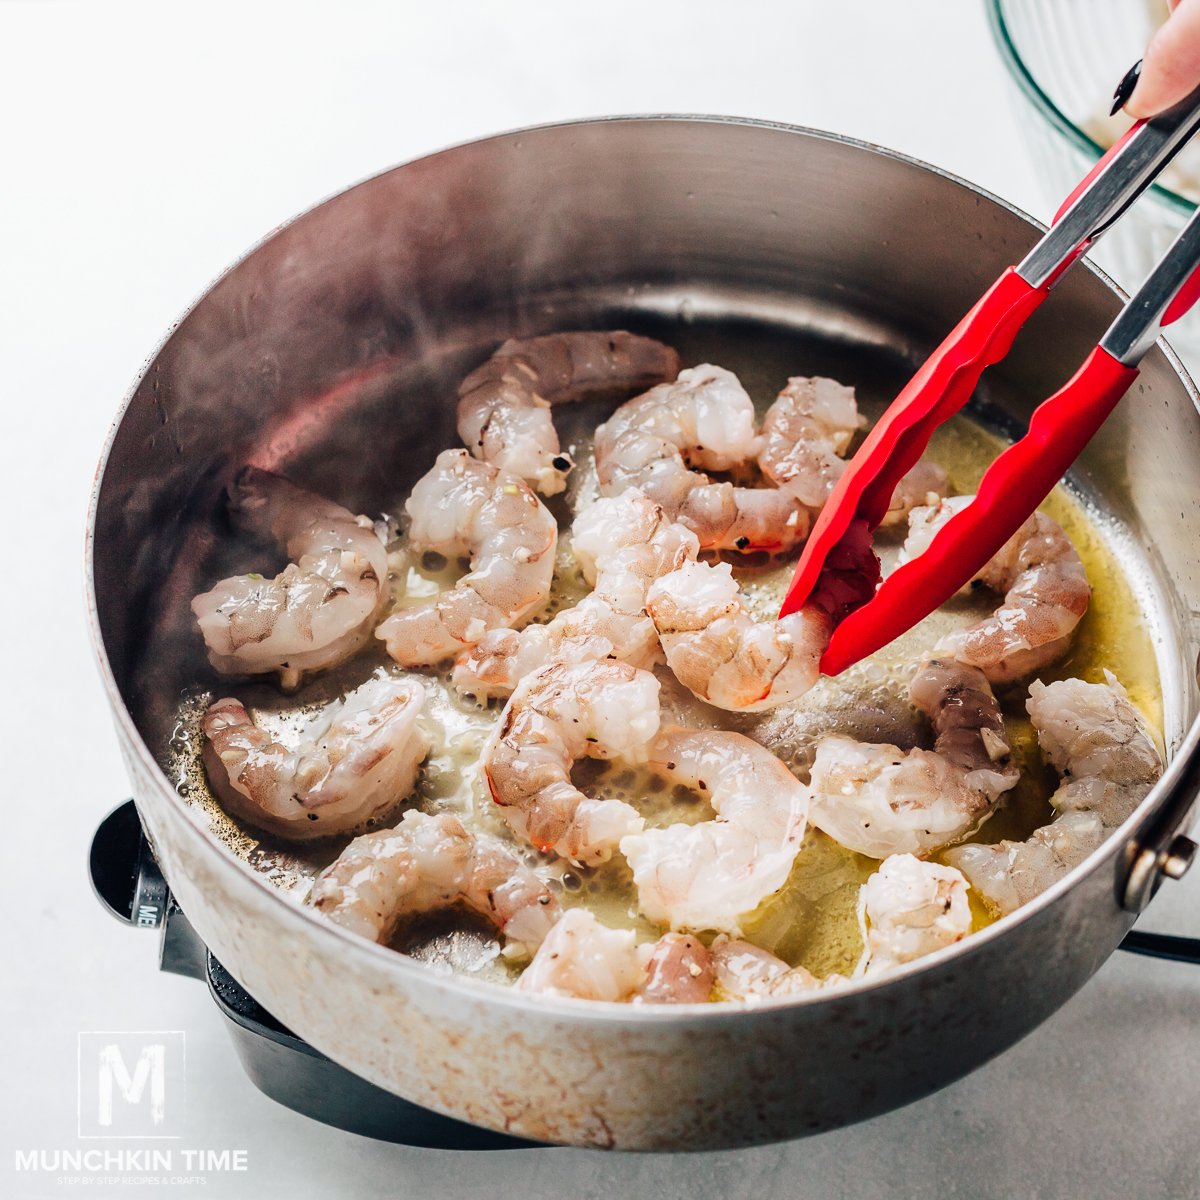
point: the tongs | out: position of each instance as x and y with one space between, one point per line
838 570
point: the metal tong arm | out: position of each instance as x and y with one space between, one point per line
1169 291
1129 167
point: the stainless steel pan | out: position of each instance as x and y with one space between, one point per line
332 352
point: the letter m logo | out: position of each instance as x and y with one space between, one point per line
151 1067
131 1084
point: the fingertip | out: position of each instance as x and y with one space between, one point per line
1171 66
1135 107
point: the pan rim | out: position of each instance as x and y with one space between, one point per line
606 1011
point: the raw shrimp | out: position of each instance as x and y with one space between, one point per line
1099 743
910 908
504 657
679 970
702 420
921 487
561 713
504 405
587 960
879 800
1009 874
806 432
1045 589
709 875
720 653
466 507
610 622
584 959
359 765
316 612
611 524
751 974
428 863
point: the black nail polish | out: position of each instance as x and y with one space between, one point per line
1125 87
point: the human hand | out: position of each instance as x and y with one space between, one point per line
1170 69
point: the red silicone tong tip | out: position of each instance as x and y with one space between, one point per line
940 388
1010 491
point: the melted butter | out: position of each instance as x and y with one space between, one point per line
813 920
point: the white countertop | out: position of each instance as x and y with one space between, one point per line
144 148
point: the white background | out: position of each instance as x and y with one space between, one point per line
145 147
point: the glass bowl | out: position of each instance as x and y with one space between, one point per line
1064 58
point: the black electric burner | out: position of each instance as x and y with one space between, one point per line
283 1066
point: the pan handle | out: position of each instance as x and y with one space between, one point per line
1163 850
126 879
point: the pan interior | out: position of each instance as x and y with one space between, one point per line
362 447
